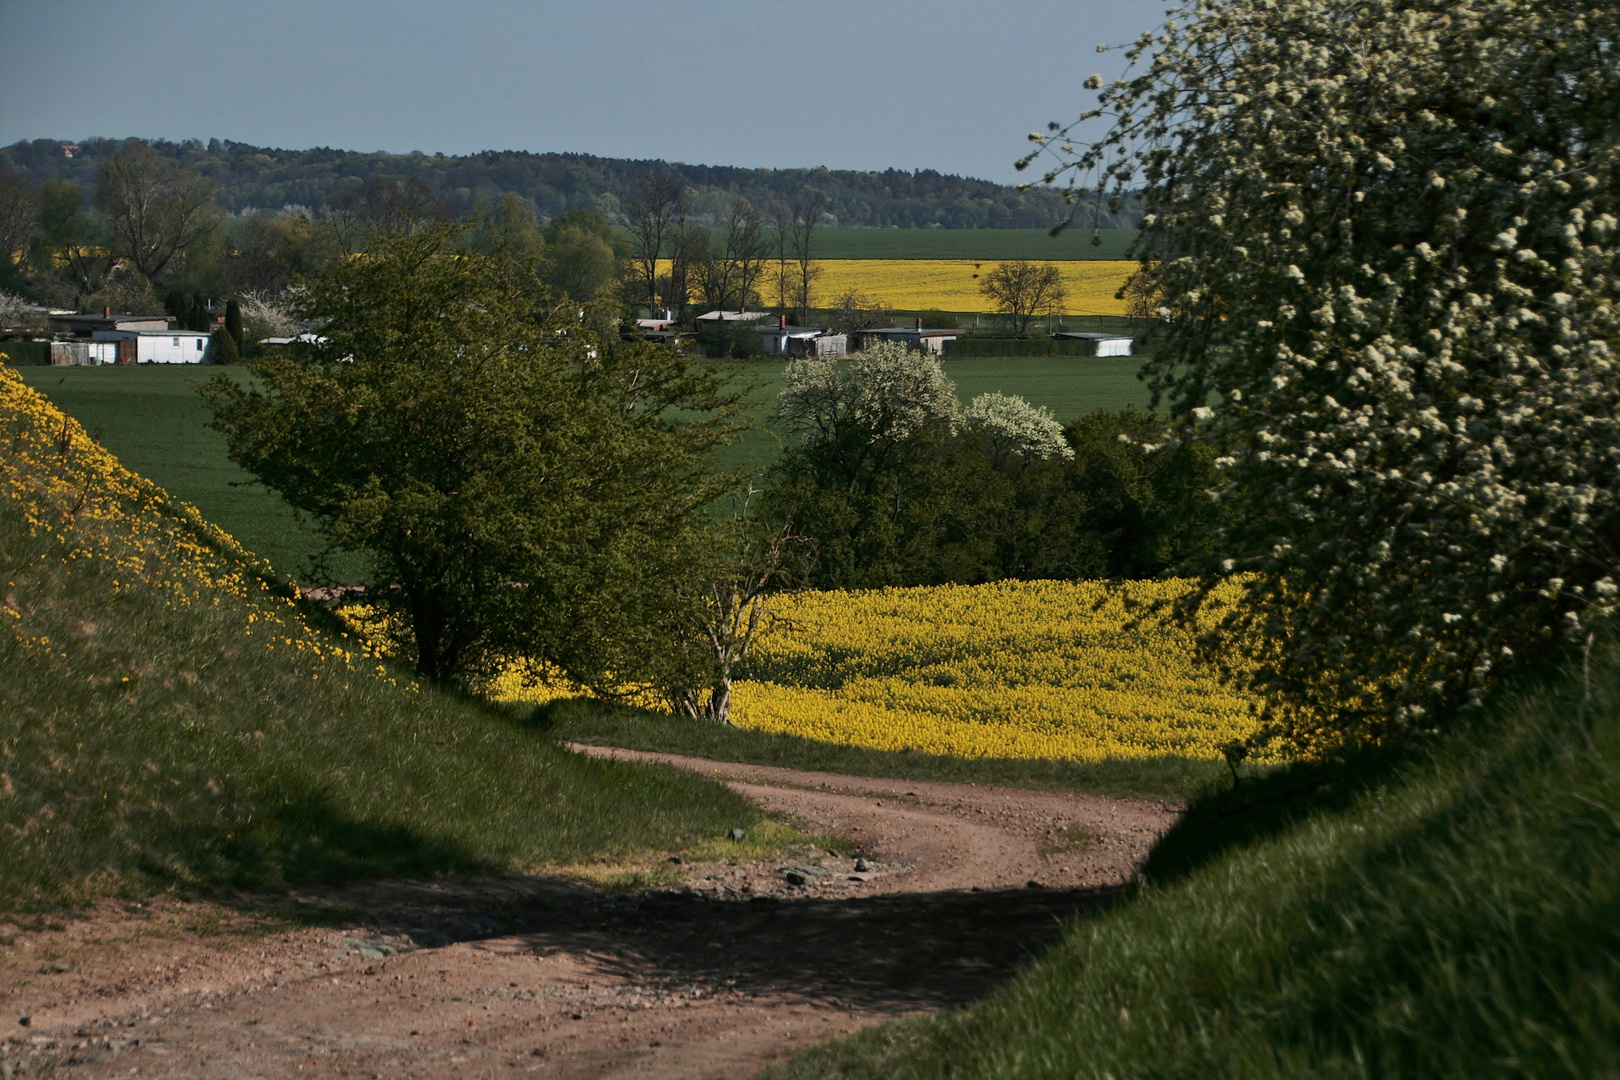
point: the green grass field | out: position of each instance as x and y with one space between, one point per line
153 420
1452 911
1073 243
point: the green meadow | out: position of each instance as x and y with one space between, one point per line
153 420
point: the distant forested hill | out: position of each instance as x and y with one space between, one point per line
253 177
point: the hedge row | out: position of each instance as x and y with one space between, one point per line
29 353
962 347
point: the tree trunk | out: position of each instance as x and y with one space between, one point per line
720 701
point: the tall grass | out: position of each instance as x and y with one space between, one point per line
1449 911
168 719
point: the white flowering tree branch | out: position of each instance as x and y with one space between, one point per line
1384 237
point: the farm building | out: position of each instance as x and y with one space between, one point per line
781 339
157 347
83 327
1100 344
83 353
916 337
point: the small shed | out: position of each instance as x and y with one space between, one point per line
781 339
916 337
159 347
1099 344
83 353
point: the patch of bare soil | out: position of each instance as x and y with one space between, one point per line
933 894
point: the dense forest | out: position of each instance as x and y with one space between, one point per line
253 178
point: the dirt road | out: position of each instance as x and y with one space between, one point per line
935 893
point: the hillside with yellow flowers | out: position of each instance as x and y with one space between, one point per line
170 717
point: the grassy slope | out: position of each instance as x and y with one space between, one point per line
585 721
1452 914
166 720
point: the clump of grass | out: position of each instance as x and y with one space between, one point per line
583 720
168 720
1449 911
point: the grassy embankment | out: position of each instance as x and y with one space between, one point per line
168 719
1453 911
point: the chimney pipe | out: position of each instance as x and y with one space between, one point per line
106 312
781 322
919 324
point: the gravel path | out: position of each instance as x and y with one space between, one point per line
924 902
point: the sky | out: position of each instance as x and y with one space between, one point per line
953 85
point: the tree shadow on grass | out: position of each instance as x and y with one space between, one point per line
273 842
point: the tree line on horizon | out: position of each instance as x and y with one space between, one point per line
252 179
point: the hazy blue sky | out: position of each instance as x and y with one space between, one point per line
947 84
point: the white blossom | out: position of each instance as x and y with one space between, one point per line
1402 228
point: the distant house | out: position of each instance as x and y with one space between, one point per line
1100 344
157 346
784 340
87 326
916 337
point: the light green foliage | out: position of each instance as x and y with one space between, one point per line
519 488
1385 235
581 263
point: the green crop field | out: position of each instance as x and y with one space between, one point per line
152 418
1072 243
970 244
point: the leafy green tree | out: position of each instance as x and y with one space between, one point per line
19 221
507 229
581 263
1385 239
1023 290
519 488
67 232
154 207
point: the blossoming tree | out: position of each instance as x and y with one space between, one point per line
1383 236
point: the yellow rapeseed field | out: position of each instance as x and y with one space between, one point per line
1075 671
1034 669
953 284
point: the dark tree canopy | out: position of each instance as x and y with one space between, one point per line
519 488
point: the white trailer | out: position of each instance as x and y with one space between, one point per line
159 346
